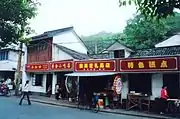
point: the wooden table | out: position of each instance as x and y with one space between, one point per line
136 101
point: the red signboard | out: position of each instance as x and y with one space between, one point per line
149 64
95 65
37 67
61 65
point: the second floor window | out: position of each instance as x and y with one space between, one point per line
119 54
37 47
3 55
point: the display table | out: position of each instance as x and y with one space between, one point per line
135 100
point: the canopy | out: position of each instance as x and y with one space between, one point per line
86 74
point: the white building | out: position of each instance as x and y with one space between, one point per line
52 47
8 62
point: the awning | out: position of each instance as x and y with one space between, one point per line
86 74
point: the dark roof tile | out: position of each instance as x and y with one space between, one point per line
49 34
74 54
160 51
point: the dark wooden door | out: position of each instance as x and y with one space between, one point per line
49 81
172 83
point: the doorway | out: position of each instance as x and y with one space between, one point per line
49 81
172 83
140 83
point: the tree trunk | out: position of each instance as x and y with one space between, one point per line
18 77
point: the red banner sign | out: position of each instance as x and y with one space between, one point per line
95 65
37 67
149 64
61 65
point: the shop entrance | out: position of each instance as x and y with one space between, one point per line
61 82
172 83
48 81
89 85
140 83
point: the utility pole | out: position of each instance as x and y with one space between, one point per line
96 47
18 68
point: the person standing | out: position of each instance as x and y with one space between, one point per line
25 93
164 97
57 91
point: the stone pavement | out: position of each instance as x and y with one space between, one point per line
65 103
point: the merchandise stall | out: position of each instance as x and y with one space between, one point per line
94 76
146 76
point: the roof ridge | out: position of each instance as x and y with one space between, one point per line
48 34
158 51
60 30
80 55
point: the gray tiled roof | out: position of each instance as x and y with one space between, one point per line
49 34
161 51
101 56
74 54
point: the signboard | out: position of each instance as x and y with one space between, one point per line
95 65
149 64
37 67
61 65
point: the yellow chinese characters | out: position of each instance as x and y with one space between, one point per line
32 67
56 66
91 66
60 65
96 65
141 65
152 64
81 66
86 66
64 65
101 65
39 66
36 67
52 66
107 65
130 65
164 64
68 65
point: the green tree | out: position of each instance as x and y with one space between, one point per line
154 8
142 32
100 41
14 20
15 16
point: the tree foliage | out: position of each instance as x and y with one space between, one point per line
14 20
142 32
154 8
100 40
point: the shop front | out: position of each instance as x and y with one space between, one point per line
59 69
146 76
45 75
37 73
94 76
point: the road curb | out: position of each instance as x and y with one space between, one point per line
105 111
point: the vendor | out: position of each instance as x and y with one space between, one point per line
164 97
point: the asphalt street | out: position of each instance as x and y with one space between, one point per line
9 109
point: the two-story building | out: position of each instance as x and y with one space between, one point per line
49 56
8 62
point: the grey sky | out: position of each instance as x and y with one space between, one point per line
87 16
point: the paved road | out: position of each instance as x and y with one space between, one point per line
9 109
